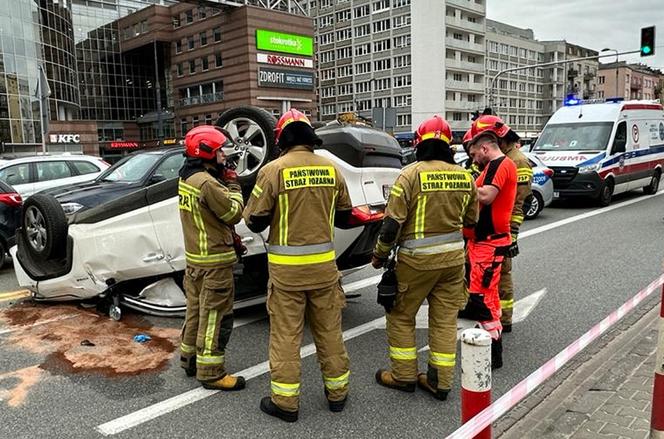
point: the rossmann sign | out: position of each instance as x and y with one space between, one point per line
280 60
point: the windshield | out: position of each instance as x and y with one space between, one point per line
575 137
130 170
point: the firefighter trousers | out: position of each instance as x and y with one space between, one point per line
445 293
484 302
322 309
208 322
506 291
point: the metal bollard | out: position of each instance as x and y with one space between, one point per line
657 415
475 375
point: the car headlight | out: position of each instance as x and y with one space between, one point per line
70 208
588 169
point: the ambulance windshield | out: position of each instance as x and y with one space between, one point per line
592 136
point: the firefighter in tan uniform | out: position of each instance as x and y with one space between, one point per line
301 196
210 203
430 203
508 140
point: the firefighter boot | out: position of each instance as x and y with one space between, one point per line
429 382
335 406
227 383
497 353
270 408
385 379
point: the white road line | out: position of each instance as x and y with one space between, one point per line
161 408
241 321
154 411
39 323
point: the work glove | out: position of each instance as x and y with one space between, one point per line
377 262
240 248
387 290
229 176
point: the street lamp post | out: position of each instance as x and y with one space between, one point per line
614 50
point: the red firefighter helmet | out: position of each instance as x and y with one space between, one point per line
488 123
433 128
467 137
286 119
203 142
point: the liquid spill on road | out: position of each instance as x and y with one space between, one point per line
114 353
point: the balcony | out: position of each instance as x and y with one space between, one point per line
453 43
464 24
462 106
209 98
469 5
453 64
464 86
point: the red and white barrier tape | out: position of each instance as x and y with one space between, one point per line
487 416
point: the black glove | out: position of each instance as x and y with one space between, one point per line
387 290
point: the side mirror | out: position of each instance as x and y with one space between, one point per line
156 178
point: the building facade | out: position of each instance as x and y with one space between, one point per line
629 81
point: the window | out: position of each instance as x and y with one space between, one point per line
203 38
343 15
401 41
327 92
345 52
602 79
402 81
380 6
178 46
382 25
382 64
458 77
326 20
176 22
17 174
404 120
216 32
327 38
361 31
190 43
192 67
189 16
217 59
402 101
327 57
47 171
85 167
180 69
457 116
206 63
202 13
345 107
195 121
401 21
344 34
345 71
382 84
400 3
329 109
327 74
363 105
362 68
184 127
363 49
363 87
361 11
381 46
402 61
346 89
170 167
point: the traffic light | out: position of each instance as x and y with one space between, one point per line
648 41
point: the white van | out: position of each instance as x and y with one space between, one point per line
598 149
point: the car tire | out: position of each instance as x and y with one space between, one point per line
44 227
653 187
606 194
535 207
238 121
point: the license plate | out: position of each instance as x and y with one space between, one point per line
556 195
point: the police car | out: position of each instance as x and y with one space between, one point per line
601 148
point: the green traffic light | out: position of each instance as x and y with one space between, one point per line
646 50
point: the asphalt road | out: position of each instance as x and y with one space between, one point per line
589 266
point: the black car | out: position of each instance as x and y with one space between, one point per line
134 172
10 216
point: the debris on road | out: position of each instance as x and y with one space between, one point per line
142 338
87 343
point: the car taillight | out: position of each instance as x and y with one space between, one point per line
11 199
365 214
548 172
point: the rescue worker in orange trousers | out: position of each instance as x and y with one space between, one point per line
430 203
490 241
301 196
210 203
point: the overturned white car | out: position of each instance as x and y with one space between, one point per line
125 250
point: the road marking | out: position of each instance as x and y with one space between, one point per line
522 308
156 410
242 321
22 294
39 323
161 408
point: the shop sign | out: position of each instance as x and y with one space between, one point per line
118 145
64 138
284 43
282 60
268 77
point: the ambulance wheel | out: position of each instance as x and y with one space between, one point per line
606 194
536 206
653 187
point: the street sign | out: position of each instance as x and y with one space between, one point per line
284 43
302 80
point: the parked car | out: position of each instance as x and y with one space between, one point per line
542 186
10 216
29 175
119 248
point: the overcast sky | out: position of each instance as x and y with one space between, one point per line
595 24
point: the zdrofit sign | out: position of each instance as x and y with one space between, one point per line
284 43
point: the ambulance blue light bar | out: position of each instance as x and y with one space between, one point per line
572 101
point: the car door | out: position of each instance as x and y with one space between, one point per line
18 176
51 173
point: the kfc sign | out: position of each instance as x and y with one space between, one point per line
65 138
280 60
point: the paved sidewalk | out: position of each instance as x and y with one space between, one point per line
608 395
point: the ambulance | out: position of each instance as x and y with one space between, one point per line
601 148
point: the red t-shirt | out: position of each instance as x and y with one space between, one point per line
495 218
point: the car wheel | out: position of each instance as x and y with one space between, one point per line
252 130
44 227
653 187
606 194
536 206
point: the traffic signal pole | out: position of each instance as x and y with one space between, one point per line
492 85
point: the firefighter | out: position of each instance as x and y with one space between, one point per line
301 196
210 203
469 164
430 203
490 241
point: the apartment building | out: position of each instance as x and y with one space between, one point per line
419 57
629 81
